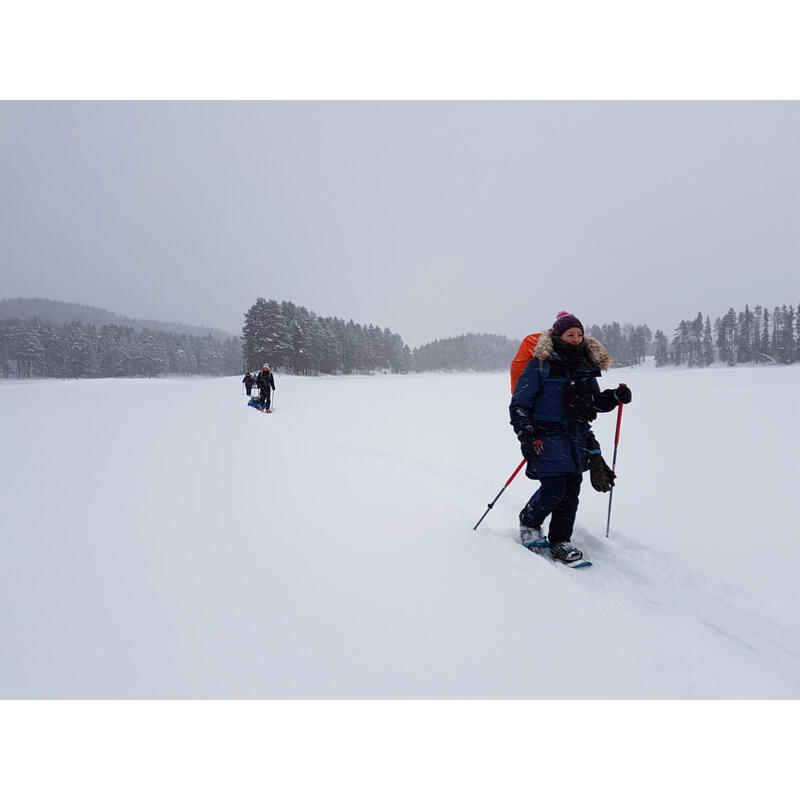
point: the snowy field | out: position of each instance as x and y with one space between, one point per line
160 539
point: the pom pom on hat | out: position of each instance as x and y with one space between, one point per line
565 321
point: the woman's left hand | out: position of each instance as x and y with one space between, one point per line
623 394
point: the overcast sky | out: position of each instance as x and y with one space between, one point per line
433 219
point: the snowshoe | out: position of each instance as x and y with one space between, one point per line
531 536
565 552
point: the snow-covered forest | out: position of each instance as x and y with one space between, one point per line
477 352
296 340
32 348
62 312
747 337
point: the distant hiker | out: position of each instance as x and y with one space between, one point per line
554 400
248 382
265 382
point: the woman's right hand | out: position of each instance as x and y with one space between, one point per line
531 448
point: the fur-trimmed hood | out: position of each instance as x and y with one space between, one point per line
595 352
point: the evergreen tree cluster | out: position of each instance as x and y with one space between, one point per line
295 340
61 313
483 352
32 348
628 345
749 336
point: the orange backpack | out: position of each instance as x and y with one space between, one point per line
523 356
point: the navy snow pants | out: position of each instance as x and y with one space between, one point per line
558 495
264 397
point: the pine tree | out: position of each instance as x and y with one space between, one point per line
27 350
680 344
797 332
746 351
694 356
728 338
708 344
662 353
765 342
786 354
643 338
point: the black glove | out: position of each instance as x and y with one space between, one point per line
623 394
601 475
578 403
531 448
609 399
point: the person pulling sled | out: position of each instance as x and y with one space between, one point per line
265 383
553 403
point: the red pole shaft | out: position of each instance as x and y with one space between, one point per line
514 473
491 505
614 464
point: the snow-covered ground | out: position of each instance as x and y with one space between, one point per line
159 539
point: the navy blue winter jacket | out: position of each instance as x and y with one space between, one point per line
537 408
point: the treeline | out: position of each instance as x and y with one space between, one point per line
60 313
750 336
484 352
295 340
626 344
32 348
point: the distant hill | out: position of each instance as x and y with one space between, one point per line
484 352
62 313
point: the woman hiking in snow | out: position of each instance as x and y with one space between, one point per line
554 400
248 382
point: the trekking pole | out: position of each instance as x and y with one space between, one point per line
614 464
491 505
